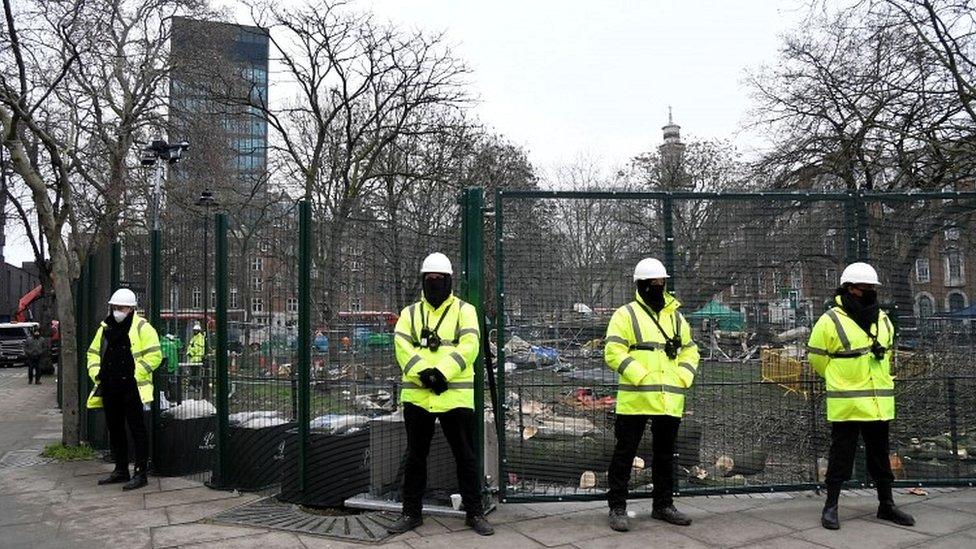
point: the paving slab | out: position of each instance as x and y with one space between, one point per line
187 495
938 521
641 536
29 535
952 541
853 533
505 537
784 542
514 512
316 542
185 534
564 507
270 540
177 483
565 528
193 512
734 529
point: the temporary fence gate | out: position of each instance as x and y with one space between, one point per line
753 272
299 387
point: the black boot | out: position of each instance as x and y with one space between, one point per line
830 519
671 515
139 479
887 509
405 523
118 475
479 524
618 520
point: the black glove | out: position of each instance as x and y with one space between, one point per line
438 382
427 378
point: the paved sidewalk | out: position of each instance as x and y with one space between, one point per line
60 506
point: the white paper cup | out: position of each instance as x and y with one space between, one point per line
456 501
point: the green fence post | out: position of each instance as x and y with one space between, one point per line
500 345
851 227
220 249
155 320
472 261
953 424
116 266
304 337
667 212
861 210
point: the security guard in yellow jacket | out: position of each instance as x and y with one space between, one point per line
437 342
851 347
649 346
121 360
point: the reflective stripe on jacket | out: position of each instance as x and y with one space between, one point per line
146 357
455 358
859 386
650 383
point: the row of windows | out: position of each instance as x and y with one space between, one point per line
257 303
955 301
953 267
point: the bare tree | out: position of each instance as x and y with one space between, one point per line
863 99
26 110
361 86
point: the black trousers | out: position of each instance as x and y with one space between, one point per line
33 369
629 431
458 428
843 448
123 407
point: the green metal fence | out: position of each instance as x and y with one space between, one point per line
298 392
753 271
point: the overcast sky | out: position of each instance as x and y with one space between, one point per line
594 78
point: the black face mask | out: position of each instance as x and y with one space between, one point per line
863 310
437 290
868 297
652 294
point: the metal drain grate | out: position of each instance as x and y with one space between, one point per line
271 513
24 458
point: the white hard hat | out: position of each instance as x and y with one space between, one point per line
123 297
649 268
197 326
437 263
859 273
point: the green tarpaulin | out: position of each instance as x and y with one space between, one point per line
727 318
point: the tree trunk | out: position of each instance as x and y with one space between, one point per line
68 363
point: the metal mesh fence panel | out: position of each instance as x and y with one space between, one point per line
185 430
263 343
753 273
365 270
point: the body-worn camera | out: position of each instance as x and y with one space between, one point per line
671 347
878 350
429 339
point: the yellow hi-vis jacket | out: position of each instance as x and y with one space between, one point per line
460 344
650 383
195 349
145 354
859 386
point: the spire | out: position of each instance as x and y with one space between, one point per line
672 132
